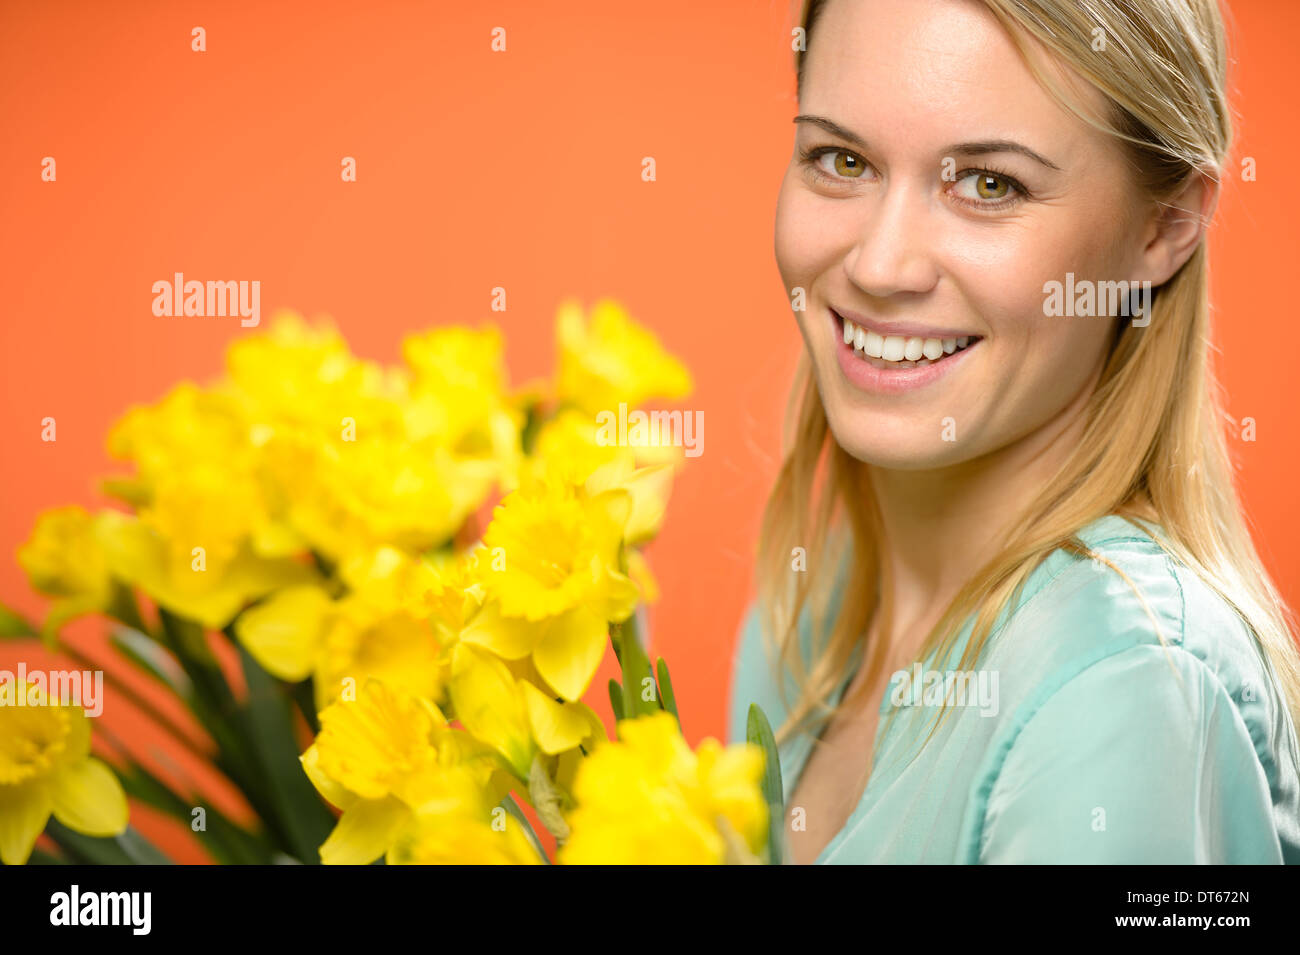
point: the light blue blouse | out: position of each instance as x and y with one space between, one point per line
1077 737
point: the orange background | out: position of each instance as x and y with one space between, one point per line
479 169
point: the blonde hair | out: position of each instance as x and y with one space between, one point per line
1153 447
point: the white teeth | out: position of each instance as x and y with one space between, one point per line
875 346
905 351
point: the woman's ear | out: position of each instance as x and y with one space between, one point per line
1177 227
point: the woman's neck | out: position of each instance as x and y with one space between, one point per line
941 526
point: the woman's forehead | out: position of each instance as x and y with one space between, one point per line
930 72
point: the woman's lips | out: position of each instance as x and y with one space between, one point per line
884 376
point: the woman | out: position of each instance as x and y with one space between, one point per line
1009 608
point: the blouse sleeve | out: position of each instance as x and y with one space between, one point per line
1123 763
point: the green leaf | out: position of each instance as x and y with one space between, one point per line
214 705
636 669
759 731
14 625
517 814
39 857
140 850
93 850
616 698
299 812
151 659
130 848
666 696
86 850
124 607
548 800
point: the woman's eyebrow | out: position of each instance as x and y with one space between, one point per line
981 148
835 129
984 147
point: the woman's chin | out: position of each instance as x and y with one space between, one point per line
905 449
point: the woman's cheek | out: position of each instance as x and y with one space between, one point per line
797 242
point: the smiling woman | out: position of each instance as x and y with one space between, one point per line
999 493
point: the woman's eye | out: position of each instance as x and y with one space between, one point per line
842 164
847 165
991 187
986 187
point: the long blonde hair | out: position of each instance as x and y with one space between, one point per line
1154 447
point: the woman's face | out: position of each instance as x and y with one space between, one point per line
937 191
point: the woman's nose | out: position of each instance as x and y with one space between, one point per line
893 251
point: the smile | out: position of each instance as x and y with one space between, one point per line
893 364
899 351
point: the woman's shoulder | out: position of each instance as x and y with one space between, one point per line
1135 593
1144 671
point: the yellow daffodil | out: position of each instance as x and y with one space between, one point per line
566 448
361 456
552 584
381 489
612 359
180 575
566 451
459 824
647 798
386 755
648 489
397 624
199 474
296 379
514 716
460 395
46 768
64 559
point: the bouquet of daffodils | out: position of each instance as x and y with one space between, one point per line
301 561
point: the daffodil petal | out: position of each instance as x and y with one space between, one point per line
556 726
485 698
611 475
650 488
613 596
89 799
613 506
334 793
284 633
364 832
24 811
510 638
572 649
